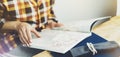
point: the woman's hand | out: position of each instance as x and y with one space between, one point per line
24 30
24 33
52 24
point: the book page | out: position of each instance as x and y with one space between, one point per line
58 41
84 26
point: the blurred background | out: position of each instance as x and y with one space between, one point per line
84 9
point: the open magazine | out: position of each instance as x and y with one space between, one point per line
62 39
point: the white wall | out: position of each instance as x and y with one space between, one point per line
118 8
84 9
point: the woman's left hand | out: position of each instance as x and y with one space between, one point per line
52 24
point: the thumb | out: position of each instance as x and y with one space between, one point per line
35 32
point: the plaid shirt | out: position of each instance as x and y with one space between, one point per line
35 11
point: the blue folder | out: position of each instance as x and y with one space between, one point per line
93 39
29 52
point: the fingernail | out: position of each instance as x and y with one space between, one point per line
24 45
30 41
28 45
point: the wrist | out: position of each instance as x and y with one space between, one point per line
10 25
17 25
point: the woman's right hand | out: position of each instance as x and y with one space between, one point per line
24 33
24 30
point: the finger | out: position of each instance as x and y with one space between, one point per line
23 43
21 39
24 36
29 35
20 36
58 24
35 32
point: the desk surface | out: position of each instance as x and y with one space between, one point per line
29 52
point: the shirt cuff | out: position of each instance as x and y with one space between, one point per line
53 20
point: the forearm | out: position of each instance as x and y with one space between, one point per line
10 25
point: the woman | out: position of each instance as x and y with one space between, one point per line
26 17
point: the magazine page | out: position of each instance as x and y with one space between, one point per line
84 26
58 41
